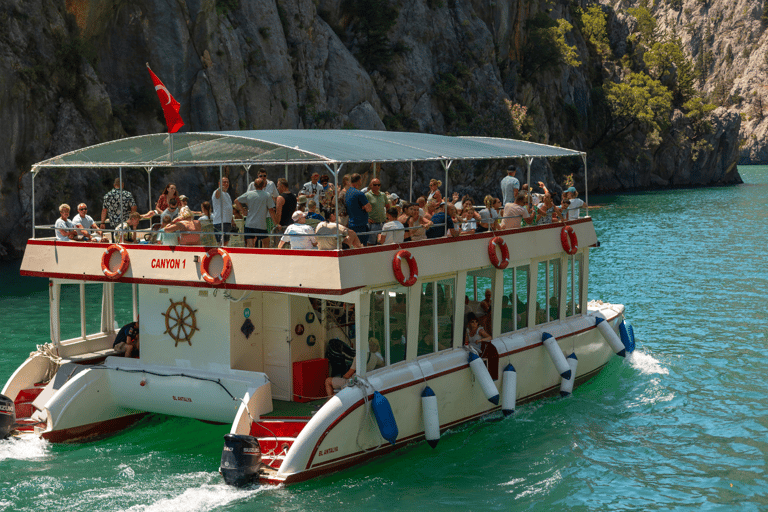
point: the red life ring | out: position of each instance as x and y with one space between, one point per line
500 243
225 271
568 240
412 268
125 260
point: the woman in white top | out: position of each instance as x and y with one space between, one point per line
434 190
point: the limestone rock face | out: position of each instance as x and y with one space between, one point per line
77 76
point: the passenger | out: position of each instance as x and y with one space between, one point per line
331 227
167 238
172 210
489 215
393 229
285 205
434 190
186 226
574 208
126 232
475 334
127 340
257 203
442 224
183 202
467 219
510 185
296 234
312 211
514 213
205 207
486 318
431 208
222 203
301 203
65 228
418 225
89 229
455 198
312 189
112 205
162 202
271 189
327 199
342 214
358 208
375 359
548 211
422 202
341 358
377 215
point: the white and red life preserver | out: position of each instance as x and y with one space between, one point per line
225 270
125 260
501 244
413 268
569 240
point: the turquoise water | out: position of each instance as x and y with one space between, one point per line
682 425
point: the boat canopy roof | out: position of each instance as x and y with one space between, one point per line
273 147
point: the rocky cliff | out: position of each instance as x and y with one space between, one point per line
74 74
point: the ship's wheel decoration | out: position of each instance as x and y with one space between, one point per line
180 322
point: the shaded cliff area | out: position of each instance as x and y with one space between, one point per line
566 73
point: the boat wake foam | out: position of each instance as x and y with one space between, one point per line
205 497
646 363
23 448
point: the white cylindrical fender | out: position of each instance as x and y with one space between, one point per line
566 386
550 343
611 337
484 378
508 390
431 418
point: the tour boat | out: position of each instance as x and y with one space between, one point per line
240 336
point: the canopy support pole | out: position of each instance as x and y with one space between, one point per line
528 163
335 172
149 189
247 176
221 205
34 173
410 189
446 165
114 235
586 188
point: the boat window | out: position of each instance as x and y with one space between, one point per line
548 291
80 315
436 316
391 304
398 325
573 304
514 301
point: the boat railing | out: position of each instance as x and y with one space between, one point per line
211 237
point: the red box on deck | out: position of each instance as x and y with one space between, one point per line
309 379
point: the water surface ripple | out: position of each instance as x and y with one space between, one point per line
681 425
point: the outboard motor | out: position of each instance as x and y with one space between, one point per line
240 460
7 416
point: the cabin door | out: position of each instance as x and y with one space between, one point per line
277 348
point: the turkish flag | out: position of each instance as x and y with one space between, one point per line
170 105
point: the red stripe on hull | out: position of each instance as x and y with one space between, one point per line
93 430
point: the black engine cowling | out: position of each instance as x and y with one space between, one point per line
240 460
7 416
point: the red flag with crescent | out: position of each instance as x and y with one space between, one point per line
170 105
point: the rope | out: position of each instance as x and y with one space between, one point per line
48 351
363 384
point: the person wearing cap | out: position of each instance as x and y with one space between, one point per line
301 203
575 204
298 234
509 186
